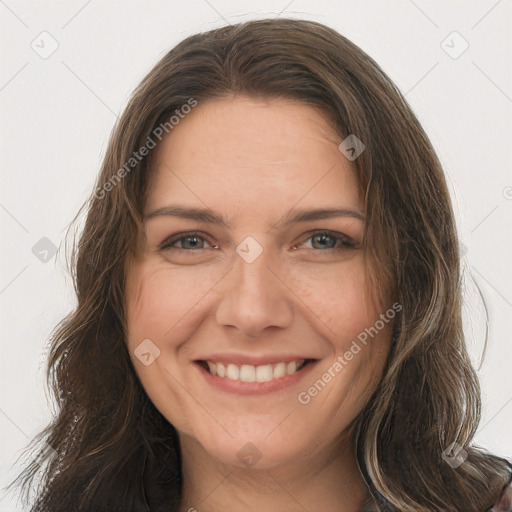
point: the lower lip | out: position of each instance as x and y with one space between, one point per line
255 388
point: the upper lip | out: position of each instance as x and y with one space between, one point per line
240 359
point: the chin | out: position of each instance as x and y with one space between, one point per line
259 449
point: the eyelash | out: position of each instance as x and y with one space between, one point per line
345 241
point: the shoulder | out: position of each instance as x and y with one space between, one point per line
504 504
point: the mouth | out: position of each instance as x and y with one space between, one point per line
250 373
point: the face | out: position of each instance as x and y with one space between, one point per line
249 322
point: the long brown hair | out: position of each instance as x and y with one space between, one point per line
114 450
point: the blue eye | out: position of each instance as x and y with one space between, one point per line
194 240
320 241
329 240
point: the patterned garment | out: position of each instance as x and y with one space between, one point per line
505 502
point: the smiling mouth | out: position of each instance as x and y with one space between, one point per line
251 373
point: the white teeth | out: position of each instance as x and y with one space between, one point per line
232 372
213 368
247 373
264 373
250 373
221 370
280 370
291 367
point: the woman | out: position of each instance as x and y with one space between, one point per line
269 301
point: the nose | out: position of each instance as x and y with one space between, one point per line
254 297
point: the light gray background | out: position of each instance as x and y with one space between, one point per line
57 114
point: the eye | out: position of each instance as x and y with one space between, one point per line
329 240
195 241
185 241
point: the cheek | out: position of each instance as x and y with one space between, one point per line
336 297
163 305
162 300
358 339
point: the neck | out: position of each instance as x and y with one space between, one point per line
327 479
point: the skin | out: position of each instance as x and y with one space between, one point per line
253 161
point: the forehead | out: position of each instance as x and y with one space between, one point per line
251 155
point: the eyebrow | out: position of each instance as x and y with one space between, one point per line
294 216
